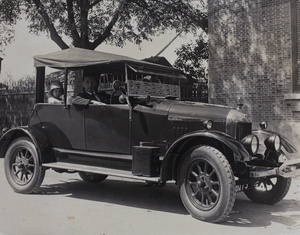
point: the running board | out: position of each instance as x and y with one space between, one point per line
99 170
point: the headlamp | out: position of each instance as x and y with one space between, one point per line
273 142
251 143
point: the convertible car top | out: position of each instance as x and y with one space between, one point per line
73 58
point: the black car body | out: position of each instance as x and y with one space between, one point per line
146 132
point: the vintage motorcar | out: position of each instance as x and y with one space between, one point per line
145 132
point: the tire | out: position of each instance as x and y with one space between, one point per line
206 184
23 170
92 178
269 190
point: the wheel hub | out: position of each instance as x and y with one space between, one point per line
23 168
23 164
203 183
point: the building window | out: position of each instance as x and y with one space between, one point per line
295 17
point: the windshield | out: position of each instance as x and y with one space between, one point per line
142 84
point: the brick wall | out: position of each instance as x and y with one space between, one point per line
251 60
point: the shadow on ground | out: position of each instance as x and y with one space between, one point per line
166 199
248 214
122 192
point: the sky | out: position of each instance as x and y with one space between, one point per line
18 56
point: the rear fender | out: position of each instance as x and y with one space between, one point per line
37 137
231 148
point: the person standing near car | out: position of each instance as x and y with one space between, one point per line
89 94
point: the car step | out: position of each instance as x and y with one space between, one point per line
99 170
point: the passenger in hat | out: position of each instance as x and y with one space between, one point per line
55 93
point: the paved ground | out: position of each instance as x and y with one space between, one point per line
66 205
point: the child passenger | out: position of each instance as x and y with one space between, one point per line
55 93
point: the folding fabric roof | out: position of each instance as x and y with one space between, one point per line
78 57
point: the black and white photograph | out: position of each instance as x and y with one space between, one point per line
171 117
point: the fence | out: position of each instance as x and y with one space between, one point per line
15 109
197 94
16 102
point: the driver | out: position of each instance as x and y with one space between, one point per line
89 94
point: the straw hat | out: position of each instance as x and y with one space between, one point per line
56 85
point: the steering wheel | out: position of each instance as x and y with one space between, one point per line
119 86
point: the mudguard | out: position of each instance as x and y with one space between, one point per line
239 151
38 138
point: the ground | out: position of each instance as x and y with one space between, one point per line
67 205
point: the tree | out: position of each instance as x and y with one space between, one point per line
88 23
6 36
8 17
191 58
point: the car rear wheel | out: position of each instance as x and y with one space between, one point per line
206 184
269 190
92 178
23 170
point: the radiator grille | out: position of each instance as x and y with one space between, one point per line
242 130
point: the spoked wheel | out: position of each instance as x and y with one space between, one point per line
92 178
23 170
206 183
269 190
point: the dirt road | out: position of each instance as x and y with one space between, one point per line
67 205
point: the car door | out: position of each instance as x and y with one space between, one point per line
107 128
64 127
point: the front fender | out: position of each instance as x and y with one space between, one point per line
37 137
238 149
215 139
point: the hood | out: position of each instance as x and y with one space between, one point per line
192 116
189 111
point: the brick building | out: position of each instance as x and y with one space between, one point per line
253 59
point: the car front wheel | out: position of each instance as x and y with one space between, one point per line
206 184
23 170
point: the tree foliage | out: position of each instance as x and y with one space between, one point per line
9 14
88 23
191 58
6 36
